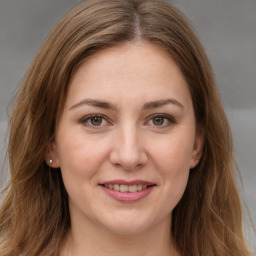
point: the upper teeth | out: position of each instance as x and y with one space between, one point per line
126 188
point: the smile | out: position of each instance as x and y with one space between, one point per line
125 191
127 188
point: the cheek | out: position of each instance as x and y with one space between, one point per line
173 153
175 172
174 165
80 162
80 157
172 159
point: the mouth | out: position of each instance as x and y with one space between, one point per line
127 191
127 188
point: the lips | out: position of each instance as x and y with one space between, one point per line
126 188
127 191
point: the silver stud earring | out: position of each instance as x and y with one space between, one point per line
50 161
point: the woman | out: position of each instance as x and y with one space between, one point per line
119 143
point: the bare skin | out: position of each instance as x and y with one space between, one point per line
128 118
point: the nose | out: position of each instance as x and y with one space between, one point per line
128 149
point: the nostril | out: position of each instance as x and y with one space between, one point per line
128 160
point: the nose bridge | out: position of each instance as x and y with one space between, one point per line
128 150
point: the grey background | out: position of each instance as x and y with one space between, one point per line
227 29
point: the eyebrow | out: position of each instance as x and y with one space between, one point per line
160 103
94 103
106 105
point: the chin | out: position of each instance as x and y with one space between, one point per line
128 230
130 225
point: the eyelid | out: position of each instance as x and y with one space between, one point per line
86 118
171 120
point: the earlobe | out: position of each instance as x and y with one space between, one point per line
51 156
198 146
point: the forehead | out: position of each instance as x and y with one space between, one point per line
130 70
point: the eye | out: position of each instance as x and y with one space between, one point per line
158 120
95 121
161 120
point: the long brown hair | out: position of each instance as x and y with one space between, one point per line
34 217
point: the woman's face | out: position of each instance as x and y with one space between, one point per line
126 139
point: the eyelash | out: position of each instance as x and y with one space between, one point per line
168 120
88 118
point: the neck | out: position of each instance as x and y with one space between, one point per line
98 241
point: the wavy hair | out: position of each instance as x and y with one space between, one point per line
34 216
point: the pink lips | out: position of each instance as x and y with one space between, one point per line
133 182
128 196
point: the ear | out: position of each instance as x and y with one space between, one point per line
198 146
51 156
